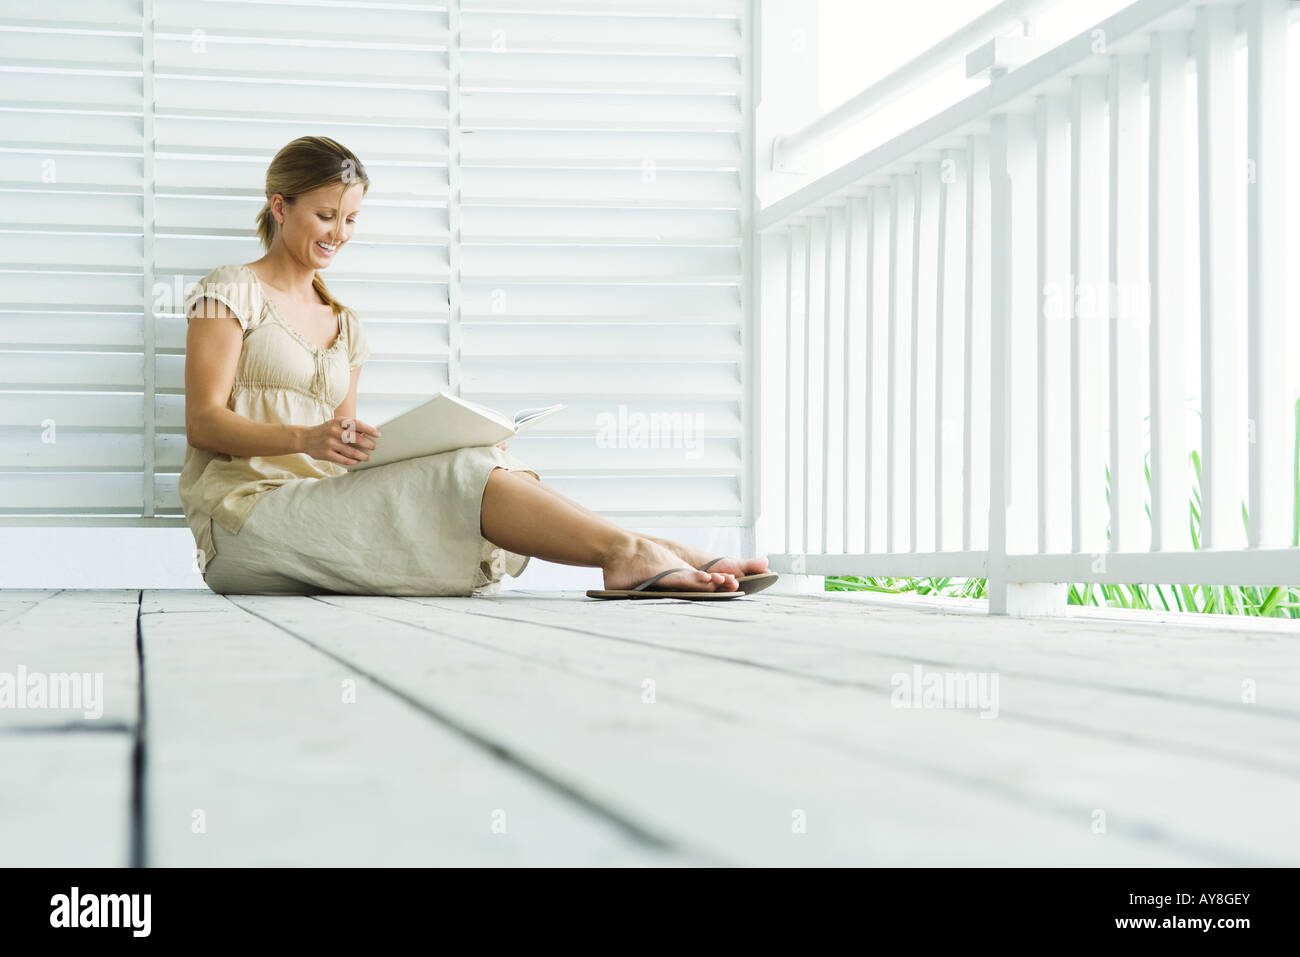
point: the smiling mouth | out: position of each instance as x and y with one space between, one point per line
327 248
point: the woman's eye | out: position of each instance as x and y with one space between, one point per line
351 222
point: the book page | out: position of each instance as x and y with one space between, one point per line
525 415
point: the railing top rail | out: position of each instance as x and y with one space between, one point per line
989 25
971 114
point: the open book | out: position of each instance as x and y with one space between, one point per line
444 423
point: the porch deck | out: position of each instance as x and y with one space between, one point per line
549 729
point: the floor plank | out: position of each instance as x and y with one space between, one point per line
247 727
66 781
65 799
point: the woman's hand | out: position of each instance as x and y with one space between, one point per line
340 440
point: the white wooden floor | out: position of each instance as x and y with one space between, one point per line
552 729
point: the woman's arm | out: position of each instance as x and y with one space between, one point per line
348 407
212 346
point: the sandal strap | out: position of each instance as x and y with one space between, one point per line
707 565
650 581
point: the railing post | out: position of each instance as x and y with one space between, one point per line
1012 362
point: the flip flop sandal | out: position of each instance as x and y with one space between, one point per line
748 583
644 590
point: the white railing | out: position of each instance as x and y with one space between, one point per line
981 313
989 25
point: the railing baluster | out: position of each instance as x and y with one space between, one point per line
924 253
1270 406
795 235
852 220
899 222
1221 413
945 332
1127 306
1170 325
1087 304
832 232
975 493
875 212
1053 326
1000 163
813 230
913 353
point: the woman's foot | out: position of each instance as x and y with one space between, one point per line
643 558
696 557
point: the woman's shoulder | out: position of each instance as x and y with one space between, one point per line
230 272
358 347
233 284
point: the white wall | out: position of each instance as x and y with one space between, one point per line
126 557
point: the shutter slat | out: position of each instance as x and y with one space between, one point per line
557 224
203 137
90 330
57 88
24 449
556 341
684 11
582 111
71 493
70 410
66 250
594 263
72 371
647 379
42 49
71 169
419 23
306 101
74 14
504 31
592 71
299 67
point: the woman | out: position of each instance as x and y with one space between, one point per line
271 368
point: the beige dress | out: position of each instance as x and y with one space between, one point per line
293 524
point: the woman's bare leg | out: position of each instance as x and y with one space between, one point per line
693 556
521 516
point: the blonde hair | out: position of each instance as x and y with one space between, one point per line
305 164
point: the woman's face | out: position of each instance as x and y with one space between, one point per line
315 227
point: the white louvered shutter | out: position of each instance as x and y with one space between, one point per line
559 204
